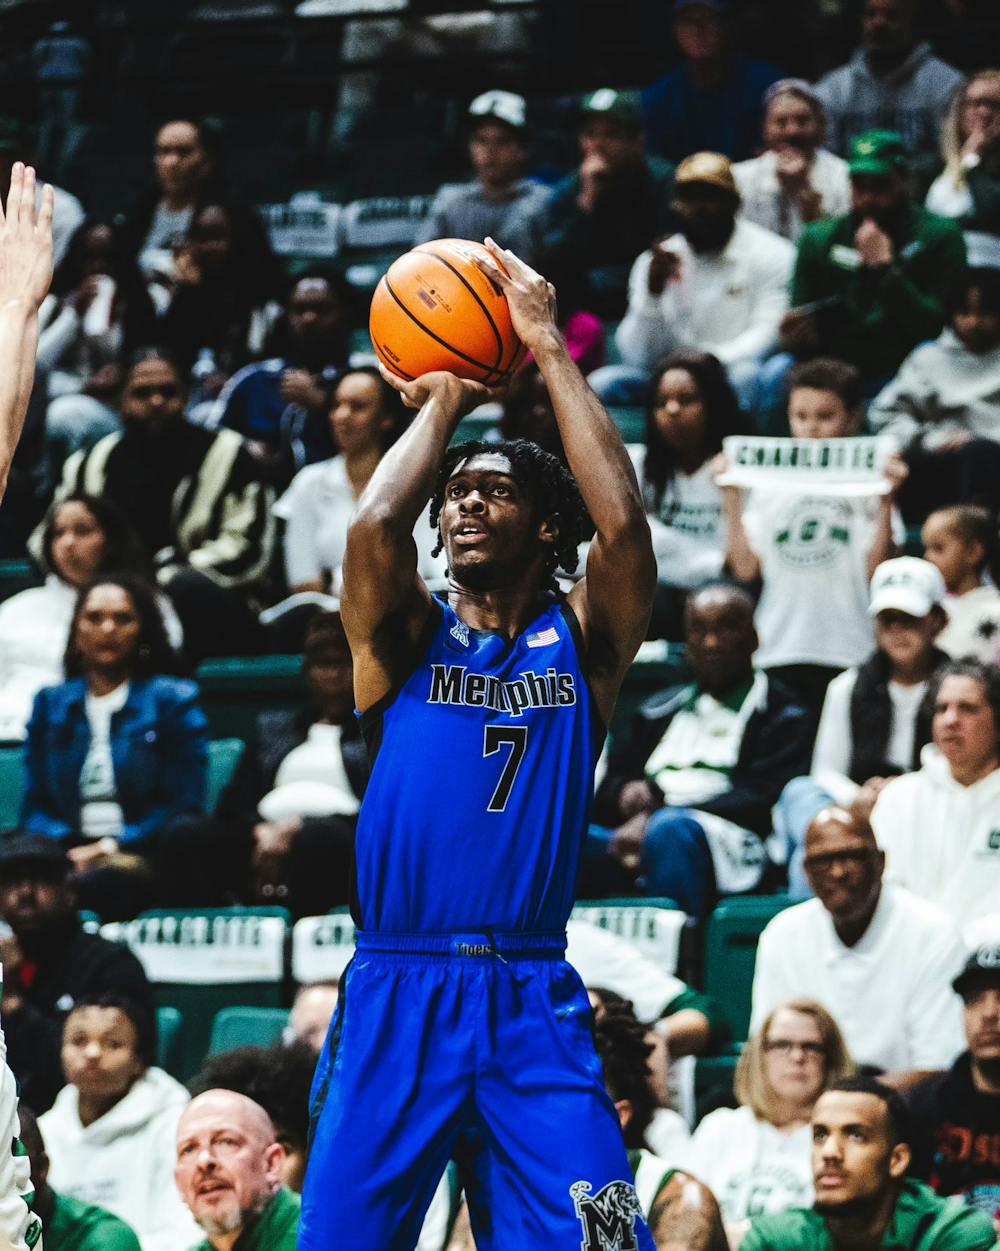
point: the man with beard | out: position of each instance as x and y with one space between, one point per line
956 1115
720 284
229 1167
893 80
864 1200
873 283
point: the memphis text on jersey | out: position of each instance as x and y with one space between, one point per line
454 684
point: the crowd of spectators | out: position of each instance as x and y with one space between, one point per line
743 259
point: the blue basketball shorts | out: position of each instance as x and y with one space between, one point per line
478 1048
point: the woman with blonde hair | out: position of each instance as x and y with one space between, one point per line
756 1158
969 187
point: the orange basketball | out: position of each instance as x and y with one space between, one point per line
436 309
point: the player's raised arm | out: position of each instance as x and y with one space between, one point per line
385 603
25 274
613 601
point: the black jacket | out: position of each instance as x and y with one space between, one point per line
776 747
871 720
80 964
956 1136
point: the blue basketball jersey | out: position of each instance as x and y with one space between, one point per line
481 785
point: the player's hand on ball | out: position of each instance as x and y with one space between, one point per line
457 394
530 297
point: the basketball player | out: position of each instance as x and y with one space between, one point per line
25 274
461 1031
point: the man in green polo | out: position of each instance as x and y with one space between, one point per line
871 284
228 1172
864 1200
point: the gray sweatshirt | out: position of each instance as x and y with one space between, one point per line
911 99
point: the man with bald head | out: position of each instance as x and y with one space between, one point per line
228 1172
685 808
878 958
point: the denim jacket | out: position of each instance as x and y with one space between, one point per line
159 748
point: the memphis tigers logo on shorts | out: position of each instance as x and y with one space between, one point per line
608 1218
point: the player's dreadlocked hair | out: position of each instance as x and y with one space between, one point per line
546 481
620 1040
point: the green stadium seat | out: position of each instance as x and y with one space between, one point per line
18 575
731 937
202 960
713 1072
224 755
631 423
478 424
234 690
169 1029
653 926
246 1027
11 786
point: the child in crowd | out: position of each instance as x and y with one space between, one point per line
943 407
962 542
691 409
874 723
815 553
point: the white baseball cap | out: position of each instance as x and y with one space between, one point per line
907 584
503 106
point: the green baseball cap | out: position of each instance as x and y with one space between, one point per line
879 152
622 106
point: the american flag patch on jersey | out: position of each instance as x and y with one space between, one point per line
543 638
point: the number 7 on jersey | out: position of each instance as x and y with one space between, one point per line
494 738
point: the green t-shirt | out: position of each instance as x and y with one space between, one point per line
275 1229
921 1222
76 1226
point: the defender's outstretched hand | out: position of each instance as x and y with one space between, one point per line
530 297
25 242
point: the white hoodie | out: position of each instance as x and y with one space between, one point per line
124 1161
942 839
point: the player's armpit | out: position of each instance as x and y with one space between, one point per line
686 1217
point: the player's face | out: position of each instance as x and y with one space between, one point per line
853 1159
794 1057
99 1053
982 1021
224 1169
965 731
488 524
844 868
721 640
108 629
77 544
817 414
153 397
792 122
357 418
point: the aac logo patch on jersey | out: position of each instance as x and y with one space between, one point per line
608 1218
